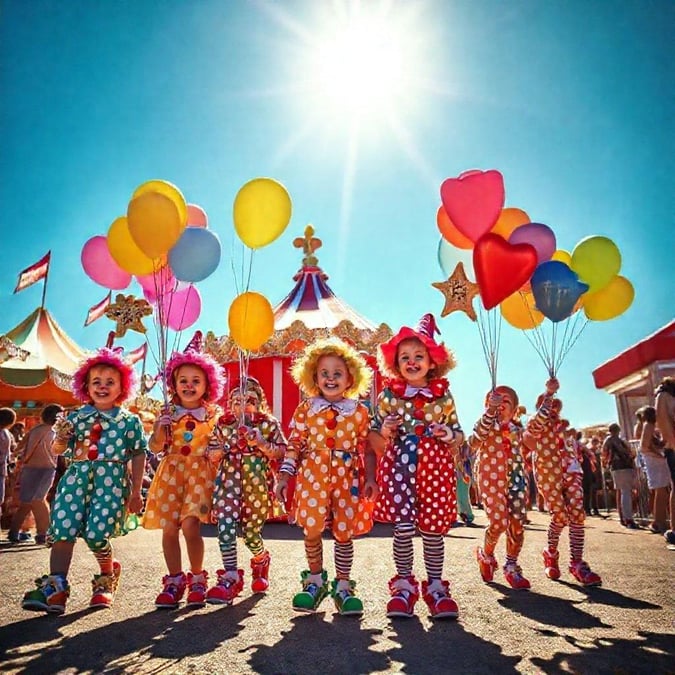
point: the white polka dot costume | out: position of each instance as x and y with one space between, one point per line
242 485
183 483
326 446
416 474
91 495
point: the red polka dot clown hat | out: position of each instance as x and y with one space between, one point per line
425 330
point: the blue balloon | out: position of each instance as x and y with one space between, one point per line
195 255
556 289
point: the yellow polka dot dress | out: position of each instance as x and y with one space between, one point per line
183 483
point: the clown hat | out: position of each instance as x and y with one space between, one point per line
194 356
424 332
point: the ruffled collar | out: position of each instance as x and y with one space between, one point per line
87 411
345 406
434 388
179 411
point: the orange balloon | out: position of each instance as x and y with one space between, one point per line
450 233
125 251
154 223
509 219
170 191
519 310
251 320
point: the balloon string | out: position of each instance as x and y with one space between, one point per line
489 338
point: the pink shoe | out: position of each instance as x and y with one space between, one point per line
197 584
174 588
228 586
487 565
260 569
405 592
551 564
437 596
584 574
514 577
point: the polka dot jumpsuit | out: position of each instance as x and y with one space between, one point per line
241 493
326 445
91 495
183 483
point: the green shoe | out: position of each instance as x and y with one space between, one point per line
311 595
50 595
346 602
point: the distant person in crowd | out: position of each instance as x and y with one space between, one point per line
7 444
589 465
38 468
665 423
639 423
652 448
618 456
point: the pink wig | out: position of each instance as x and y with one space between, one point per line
215 381
110 358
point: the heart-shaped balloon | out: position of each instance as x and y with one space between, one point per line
473 201
501 268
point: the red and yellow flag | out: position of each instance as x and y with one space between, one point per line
34 273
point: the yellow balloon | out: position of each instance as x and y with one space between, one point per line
563 257
251 320
519 310
597 261
261 211
124 250
611 301
163 187
509 219
154 223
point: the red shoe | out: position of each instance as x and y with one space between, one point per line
229 585
104 586
437 596
405 592
514 577
197 584
584 574
260 569
174 588
551 564
487 564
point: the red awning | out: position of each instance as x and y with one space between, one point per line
657 347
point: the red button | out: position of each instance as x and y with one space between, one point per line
185 450
330 442
92 454
96 427
330 414
419 429
242 443
331 424
190 425
418 414
418 402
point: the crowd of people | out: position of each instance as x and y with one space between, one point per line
223 458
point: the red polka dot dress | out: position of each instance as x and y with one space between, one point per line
416 474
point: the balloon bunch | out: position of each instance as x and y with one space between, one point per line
519 268
261 212
166 245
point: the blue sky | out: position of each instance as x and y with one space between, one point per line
572 101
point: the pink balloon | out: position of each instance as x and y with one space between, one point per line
99 265
473 201
196 216
159 282
181 309
538 235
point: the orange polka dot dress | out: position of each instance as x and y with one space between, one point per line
183 483
416 474
326 447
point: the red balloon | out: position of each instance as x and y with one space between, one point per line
473 201
196 216
501 268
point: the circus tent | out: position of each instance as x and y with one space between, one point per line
309 311
40 374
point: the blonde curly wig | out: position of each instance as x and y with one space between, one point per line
304 369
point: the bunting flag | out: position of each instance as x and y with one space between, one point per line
34 273
97 311
136 355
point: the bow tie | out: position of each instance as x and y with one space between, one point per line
344 407
434 389
198 413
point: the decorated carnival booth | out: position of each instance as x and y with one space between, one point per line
311 310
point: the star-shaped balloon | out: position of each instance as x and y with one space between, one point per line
458 292
128 312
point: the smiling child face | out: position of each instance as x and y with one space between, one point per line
332 377
413 361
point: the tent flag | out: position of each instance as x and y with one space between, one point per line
98 310
135 355
34 273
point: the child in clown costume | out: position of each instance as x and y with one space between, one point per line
502 484
335 470
179 498
559 479
251 439
415 426
94 495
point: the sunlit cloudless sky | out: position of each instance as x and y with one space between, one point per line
571 101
